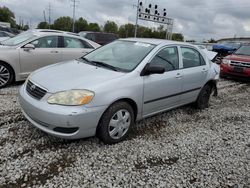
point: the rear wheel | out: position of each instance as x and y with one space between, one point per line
116 123
6 75
203 99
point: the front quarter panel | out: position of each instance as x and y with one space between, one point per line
129 86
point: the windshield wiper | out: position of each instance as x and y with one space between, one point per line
100 64
105 65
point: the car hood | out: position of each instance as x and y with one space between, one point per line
235 57
72 75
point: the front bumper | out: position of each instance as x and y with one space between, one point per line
228 70
78 121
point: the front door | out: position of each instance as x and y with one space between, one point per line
46 52
162 91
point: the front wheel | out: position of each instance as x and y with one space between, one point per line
202 101
116 123
6 75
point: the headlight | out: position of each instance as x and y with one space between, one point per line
71 97
226 61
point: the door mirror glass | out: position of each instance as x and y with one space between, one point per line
152 69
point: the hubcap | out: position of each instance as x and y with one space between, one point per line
4 75
119 124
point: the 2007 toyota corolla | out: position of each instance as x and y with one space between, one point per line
106 91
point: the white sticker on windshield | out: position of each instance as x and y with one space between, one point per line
142 44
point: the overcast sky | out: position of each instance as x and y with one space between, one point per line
196 19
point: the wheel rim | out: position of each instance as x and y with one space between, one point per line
119 124
4 75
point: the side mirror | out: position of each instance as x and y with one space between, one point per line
151 69
28 47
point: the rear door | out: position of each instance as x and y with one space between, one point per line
194 72
162 91
74 48
46 52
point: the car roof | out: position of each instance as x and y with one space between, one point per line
156 41
41 32
94 32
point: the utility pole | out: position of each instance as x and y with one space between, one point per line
137 14
44 15
49 10
74 13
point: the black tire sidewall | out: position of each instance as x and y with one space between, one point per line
103 127
204 97
11 74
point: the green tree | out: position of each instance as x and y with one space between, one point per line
177 37
211 41
81 25
110 27
43 25
6 15
25 27
64 23
126 30
94 27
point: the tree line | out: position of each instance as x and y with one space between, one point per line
65 23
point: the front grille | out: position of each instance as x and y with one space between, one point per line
240 64
35 91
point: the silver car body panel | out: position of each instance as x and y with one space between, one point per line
151 94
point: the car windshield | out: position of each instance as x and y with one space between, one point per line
244 50
123 55
232 44
18 39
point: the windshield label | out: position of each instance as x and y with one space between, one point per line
142 44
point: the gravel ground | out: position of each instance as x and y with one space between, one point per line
181 148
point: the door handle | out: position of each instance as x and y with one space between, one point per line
178 75
54 51
204 70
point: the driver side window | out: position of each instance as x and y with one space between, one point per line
167 58
46 42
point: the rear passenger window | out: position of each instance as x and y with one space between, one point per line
70 42
167 58
191 58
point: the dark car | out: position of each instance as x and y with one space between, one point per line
237 64
99 37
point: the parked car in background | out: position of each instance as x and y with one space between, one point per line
107 90
225 49
5 35
98 37
237 64
14 31
31 50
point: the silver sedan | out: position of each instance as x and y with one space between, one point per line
31 50
107 90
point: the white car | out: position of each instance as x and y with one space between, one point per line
31 50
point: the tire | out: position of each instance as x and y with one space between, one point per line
202 101
116 123
6 75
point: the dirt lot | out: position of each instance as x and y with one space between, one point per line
181 148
